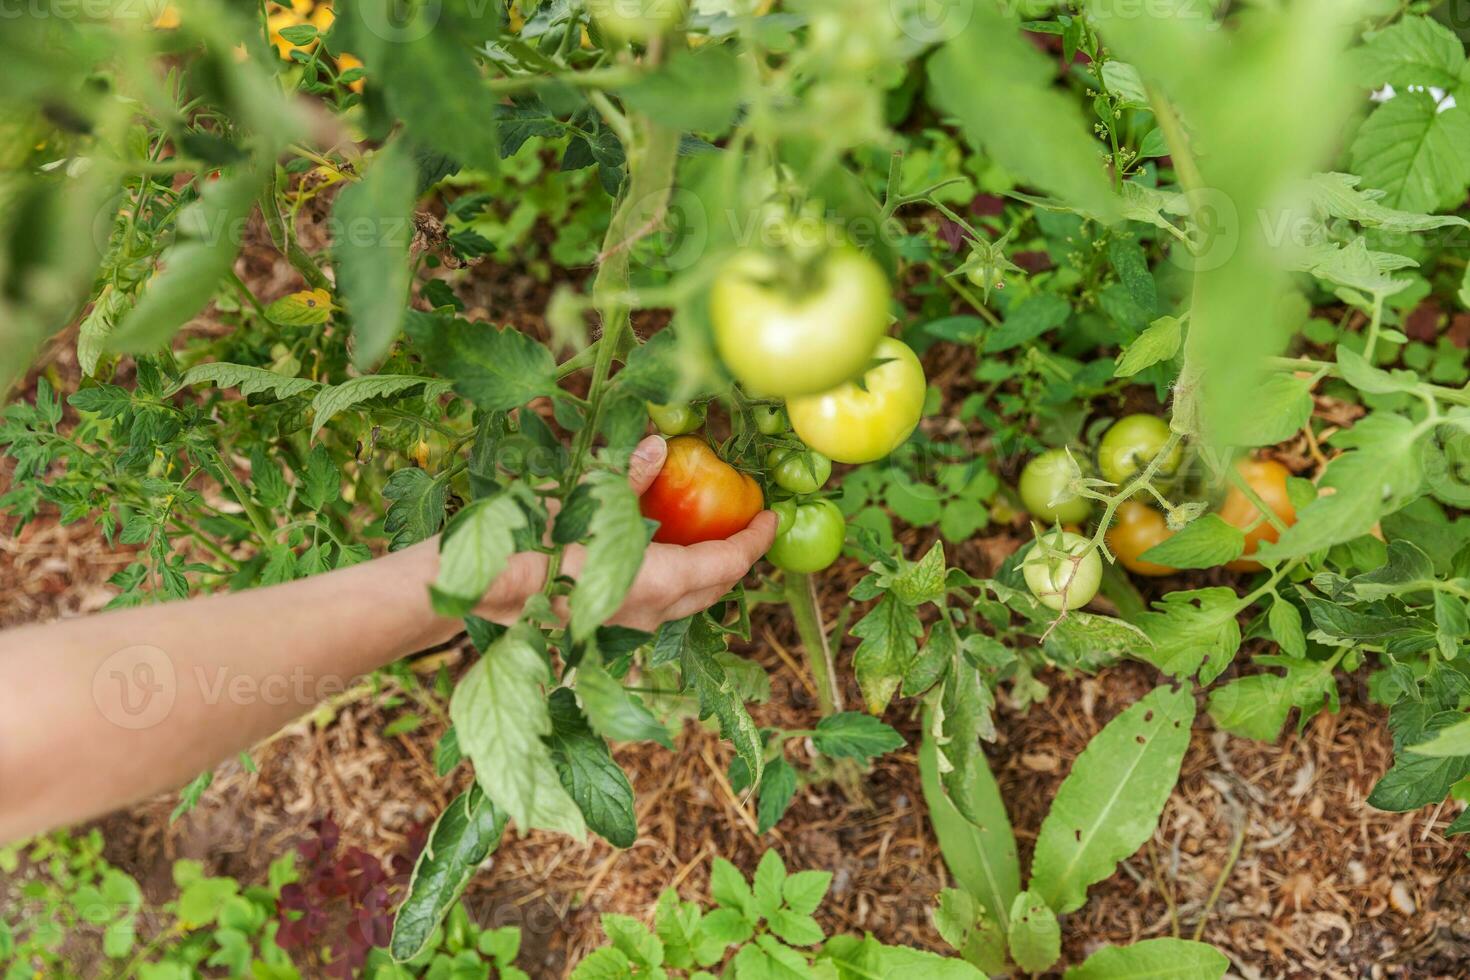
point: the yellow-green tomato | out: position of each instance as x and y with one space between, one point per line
1044 492
798 472
782 341
812 541
858 423
1063 570
1130 444
677 419
636 20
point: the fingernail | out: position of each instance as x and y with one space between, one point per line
650 450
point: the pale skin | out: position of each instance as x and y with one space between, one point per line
87 724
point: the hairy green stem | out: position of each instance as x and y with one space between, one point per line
800 595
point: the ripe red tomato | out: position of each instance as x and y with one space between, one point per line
699 497
1136 528
1268 479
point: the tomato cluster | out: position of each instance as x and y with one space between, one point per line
1052 489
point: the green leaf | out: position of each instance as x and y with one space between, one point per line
854 735
1000 88
588 772
1381 476
766 884
333 399
1153 959
718 695
1193 631
374 218
1286 628
1203 543
307 308
1258 705
889 642
321 483
778 786
435 86
1110 802
250 380
464 835
1449 741
613 710
1160 342
1028 320
209 240
869 959
496 369
728 887
603 964
1034 936
1338 195
981 855
474 553
803 891
697 91
619 537
1418 155
1414 51
1278 408
1417 779
500 717
415 509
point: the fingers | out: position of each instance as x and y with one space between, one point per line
727 561
648 458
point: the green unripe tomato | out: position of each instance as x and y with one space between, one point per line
1063 570
637 20
785 511
798 472
813 541
1130 444
770 420
1044 491
677 419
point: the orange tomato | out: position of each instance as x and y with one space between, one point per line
699 497
1268 479
1136 528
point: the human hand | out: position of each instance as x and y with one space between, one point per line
674 581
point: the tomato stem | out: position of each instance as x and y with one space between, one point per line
800 594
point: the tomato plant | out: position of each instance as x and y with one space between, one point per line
786 334
859 422
699 497
810 536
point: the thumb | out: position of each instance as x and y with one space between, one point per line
646 462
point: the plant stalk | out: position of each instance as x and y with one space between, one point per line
801 596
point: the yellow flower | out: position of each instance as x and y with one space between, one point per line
346 62
167 19
279 17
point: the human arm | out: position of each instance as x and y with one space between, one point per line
99 711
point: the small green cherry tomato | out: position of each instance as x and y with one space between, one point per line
677 419
813 541
782 340
1044 491
1063 570
770 420
862 422
798 472
1130 444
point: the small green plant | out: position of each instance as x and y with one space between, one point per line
758 928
